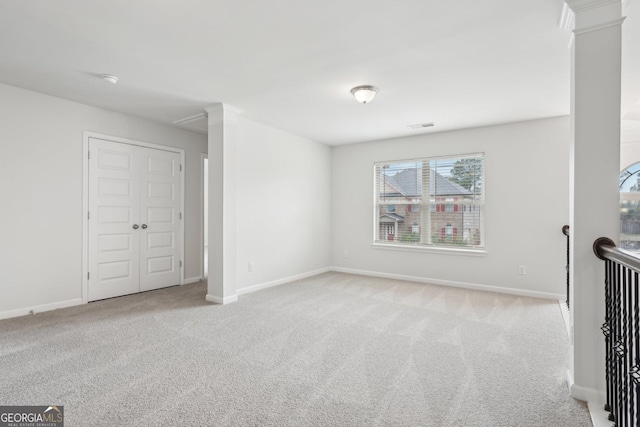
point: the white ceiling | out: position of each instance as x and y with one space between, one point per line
291 63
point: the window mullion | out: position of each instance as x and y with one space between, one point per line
425 214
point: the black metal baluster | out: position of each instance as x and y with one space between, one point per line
620 345
606 330
615 410
612 332
618 349
622 351
621 329
629 348
633 283
565 231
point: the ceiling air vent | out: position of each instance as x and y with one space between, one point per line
421 125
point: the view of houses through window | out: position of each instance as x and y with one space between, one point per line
430 202
630 208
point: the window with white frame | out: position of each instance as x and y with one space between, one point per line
430 202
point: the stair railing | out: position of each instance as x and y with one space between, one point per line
621 332
565 231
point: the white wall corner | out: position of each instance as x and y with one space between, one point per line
282 281
217 300
452 283
595 401
191 280
586 394
217 113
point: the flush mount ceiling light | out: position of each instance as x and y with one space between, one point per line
109 78
364 94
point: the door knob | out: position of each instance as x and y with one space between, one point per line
135 226
144 226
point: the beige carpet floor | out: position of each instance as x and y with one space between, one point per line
330 350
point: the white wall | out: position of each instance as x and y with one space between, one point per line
41 193
283 199
526 206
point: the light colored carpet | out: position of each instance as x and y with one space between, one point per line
331 350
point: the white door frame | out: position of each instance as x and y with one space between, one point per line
85 198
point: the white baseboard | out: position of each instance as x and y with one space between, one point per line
39 308
591 395
595 401
566 317
587 394
282 281
599 417
225 300
465 285
191 280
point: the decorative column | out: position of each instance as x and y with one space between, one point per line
223 137
594 173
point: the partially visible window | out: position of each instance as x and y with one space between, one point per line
437 202
630 208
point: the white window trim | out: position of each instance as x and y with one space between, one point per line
431 249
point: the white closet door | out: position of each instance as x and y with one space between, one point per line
160 219
134 223
114 209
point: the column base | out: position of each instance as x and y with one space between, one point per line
220 300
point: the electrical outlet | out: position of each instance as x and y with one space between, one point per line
522 270
345 254
250 266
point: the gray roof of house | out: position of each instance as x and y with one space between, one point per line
409 183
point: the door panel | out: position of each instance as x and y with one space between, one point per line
114 242
114 270
160 239
160 210
113 206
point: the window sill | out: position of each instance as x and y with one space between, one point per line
430 249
